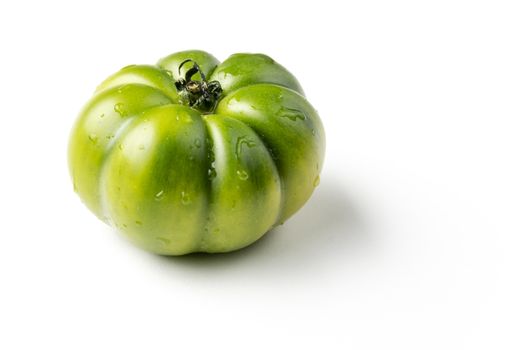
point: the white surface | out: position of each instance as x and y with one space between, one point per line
414 239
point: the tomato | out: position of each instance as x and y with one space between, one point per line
194 155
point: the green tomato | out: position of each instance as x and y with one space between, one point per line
194 155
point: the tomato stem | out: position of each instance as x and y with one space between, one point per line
200 94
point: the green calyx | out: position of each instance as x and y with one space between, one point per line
199 94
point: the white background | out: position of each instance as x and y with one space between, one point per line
415 238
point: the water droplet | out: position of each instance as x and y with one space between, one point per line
225 75
197 143
212 174
120 147
119 108
141 147
233 101
272 153
163 241
241 141
102 115
242 174
124 225
191 157
168 73
93 138
124 88
317 180
216 230
185 198
291 113
138 222
109 137
313 132
159 196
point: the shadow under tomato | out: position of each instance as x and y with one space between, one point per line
326 231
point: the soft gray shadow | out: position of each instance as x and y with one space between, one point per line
328 230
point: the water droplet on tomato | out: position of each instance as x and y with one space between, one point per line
291 113
185 198
317 180
197 143
233 101
93 138
119 108
138 222
242 174
212 174
102 115
163 241
243 141
168 73
159 196
225 75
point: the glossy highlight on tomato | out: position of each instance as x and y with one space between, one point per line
195 155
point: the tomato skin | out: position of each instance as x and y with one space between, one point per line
175 180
